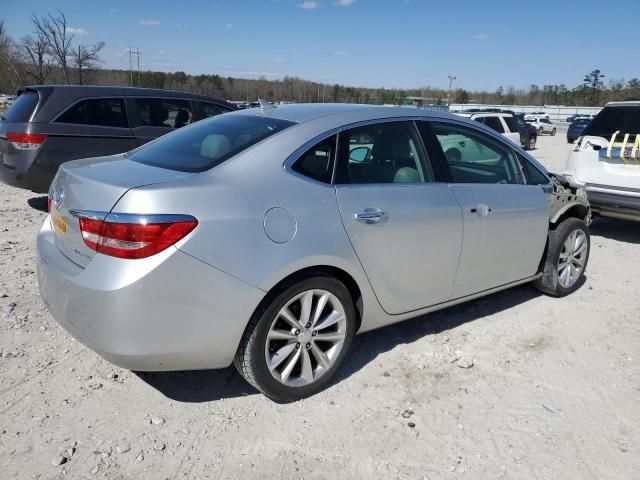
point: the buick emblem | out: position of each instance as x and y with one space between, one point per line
59 197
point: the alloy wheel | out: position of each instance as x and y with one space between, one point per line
305 338
572 258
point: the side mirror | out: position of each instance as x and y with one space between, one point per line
359 154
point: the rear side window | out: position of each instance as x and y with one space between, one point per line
103 112
23 107
511 123
212 109
157 112
615 119
207 143
317 162
494 123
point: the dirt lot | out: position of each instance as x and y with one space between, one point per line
516 385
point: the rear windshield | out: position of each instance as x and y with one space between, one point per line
615 119
207 143
22 108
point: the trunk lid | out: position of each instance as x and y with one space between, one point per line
95 185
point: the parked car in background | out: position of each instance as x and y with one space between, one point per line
503 123
536 115
528 133
255 237
576 128
49 125
543 125
606 161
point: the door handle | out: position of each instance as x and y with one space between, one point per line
481 210
370 216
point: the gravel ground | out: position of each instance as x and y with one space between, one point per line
515 385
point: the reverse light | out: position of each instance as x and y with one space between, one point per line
134 236
26 141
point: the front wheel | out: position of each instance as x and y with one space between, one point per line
566 258
532 143
294 344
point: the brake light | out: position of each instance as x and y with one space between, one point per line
26 141
134 240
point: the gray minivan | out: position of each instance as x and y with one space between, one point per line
51 124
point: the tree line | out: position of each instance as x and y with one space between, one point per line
50 54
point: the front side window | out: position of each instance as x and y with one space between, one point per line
207 143
317 162
103 112
158 112
383 153
212 109
474 157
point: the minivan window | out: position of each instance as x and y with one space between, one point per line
615 119
212 109
156 112
102 112
207 143
23 107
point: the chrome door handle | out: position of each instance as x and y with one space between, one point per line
370 216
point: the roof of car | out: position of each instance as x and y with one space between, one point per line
305 112
120 90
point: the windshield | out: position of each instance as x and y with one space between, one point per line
208 143
615 119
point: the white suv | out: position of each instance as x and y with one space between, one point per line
503 123
543 125
606 161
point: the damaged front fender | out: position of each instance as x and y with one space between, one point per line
568 199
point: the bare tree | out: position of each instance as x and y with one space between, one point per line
53 29
86 58
38 63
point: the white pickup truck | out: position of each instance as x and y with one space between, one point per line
605 161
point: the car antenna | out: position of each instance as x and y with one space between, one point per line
265 105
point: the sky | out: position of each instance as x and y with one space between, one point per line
370 43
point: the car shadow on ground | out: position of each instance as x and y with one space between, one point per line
614 229
212 385
38 203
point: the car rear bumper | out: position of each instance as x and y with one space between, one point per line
616 203
166 312
34 178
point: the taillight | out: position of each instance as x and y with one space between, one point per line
138 237
26 141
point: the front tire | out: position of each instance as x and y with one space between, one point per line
566 258
294 344
532 143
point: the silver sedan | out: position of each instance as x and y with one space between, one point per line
269 237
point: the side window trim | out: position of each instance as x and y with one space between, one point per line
78 101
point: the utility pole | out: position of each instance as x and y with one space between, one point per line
451 77
138 55
130 68
135 52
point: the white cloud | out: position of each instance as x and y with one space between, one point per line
150 23
77 31
182 25
309 5
112 11
345 3
229 25
480 36
161 52
342 53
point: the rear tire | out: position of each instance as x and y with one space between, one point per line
568 248
532 143
282 355
553 132
540 131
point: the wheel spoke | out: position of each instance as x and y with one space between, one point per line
307 372
290 366
306 303
578 262
332 318
281 355
329 337
289 318
564 275
281 335
322 302
580 249
321 357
